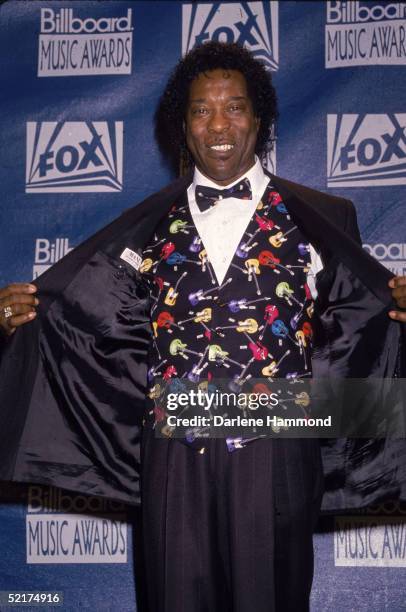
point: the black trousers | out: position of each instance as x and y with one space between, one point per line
230 532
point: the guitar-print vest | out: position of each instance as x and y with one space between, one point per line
256 324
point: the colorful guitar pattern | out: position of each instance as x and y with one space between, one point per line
256 324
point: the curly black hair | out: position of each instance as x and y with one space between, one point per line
171 112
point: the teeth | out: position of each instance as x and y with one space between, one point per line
223 147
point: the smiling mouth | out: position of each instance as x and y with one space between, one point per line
222 147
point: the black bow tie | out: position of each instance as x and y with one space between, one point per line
207 196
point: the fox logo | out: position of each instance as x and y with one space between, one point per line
366 150
252 24
74 156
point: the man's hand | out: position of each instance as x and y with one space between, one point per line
398 286
17 306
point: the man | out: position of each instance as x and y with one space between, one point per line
223 530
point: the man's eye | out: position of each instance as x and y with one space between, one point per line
235 108
199 111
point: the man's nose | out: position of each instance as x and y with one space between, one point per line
218 122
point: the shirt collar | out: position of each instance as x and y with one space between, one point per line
255 175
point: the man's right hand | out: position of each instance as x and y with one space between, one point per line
17 306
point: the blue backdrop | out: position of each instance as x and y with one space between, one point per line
80 83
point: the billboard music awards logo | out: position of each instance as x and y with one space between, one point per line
71 46
252 24
376 538
366 150
392 256
47 253
72 156
65 528
365 33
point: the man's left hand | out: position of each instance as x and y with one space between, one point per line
398 286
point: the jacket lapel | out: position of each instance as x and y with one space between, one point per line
134 226
331 239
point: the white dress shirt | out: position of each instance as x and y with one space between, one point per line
221 227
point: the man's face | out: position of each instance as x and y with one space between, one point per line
221 129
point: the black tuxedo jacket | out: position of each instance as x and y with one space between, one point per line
72 382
